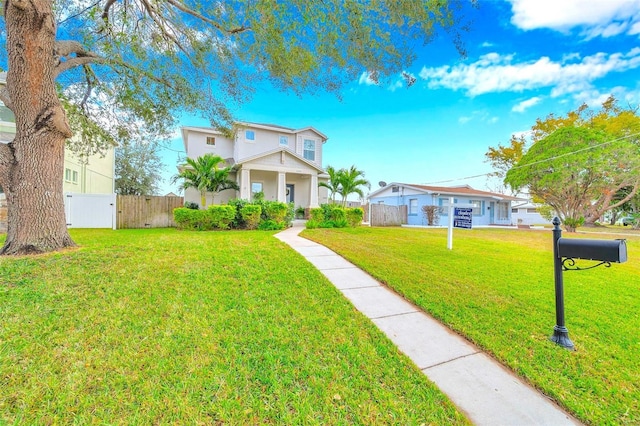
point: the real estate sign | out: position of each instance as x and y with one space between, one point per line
462 217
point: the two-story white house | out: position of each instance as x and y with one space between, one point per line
284 164
88 184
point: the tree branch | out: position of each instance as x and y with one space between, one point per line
161 22
105 11
203 18
63 51
75 62
88 73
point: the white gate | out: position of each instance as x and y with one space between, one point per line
90 210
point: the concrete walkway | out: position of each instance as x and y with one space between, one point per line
482 388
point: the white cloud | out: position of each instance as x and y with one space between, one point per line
486 44
365 78
501 73
522 133
595 98
603 18
526 104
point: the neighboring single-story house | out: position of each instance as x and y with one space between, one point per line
526 213
488 208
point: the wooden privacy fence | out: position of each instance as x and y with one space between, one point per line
144 211
383 215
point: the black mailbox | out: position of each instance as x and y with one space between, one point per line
601 250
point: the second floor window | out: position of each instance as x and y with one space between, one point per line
250 135
284 141
211 140
309 150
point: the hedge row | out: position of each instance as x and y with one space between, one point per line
238 214
333 216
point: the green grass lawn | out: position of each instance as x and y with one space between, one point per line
169 327
496 287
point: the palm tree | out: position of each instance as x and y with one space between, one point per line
334 182
350 182
203 174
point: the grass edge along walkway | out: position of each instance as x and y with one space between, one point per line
486 391
496 288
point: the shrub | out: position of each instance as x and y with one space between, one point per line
276 211
354 216
191 205
333 212
432 214
192 220
221 216
571 223
271 225
316 215
334 216
299 213
250 214
238 222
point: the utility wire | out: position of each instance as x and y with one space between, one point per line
540 161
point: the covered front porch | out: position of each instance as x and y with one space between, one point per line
282 176
298 188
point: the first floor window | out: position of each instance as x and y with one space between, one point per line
476 207
70 175
413 206
256 187
211 140
502 211
309 150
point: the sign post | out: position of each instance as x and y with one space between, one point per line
459 217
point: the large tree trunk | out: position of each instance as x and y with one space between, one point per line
31 166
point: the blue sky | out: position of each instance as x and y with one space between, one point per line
525 60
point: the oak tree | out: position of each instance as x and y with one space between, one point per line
577 171
597 149
126 68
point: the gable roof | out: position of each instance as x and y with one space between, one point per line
272 127
463 190
277 150
282 129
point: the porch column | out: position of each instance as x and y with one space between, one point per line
282 187
245 184
313 191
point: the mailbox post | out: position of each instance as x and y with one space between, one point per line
560 332
565 251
